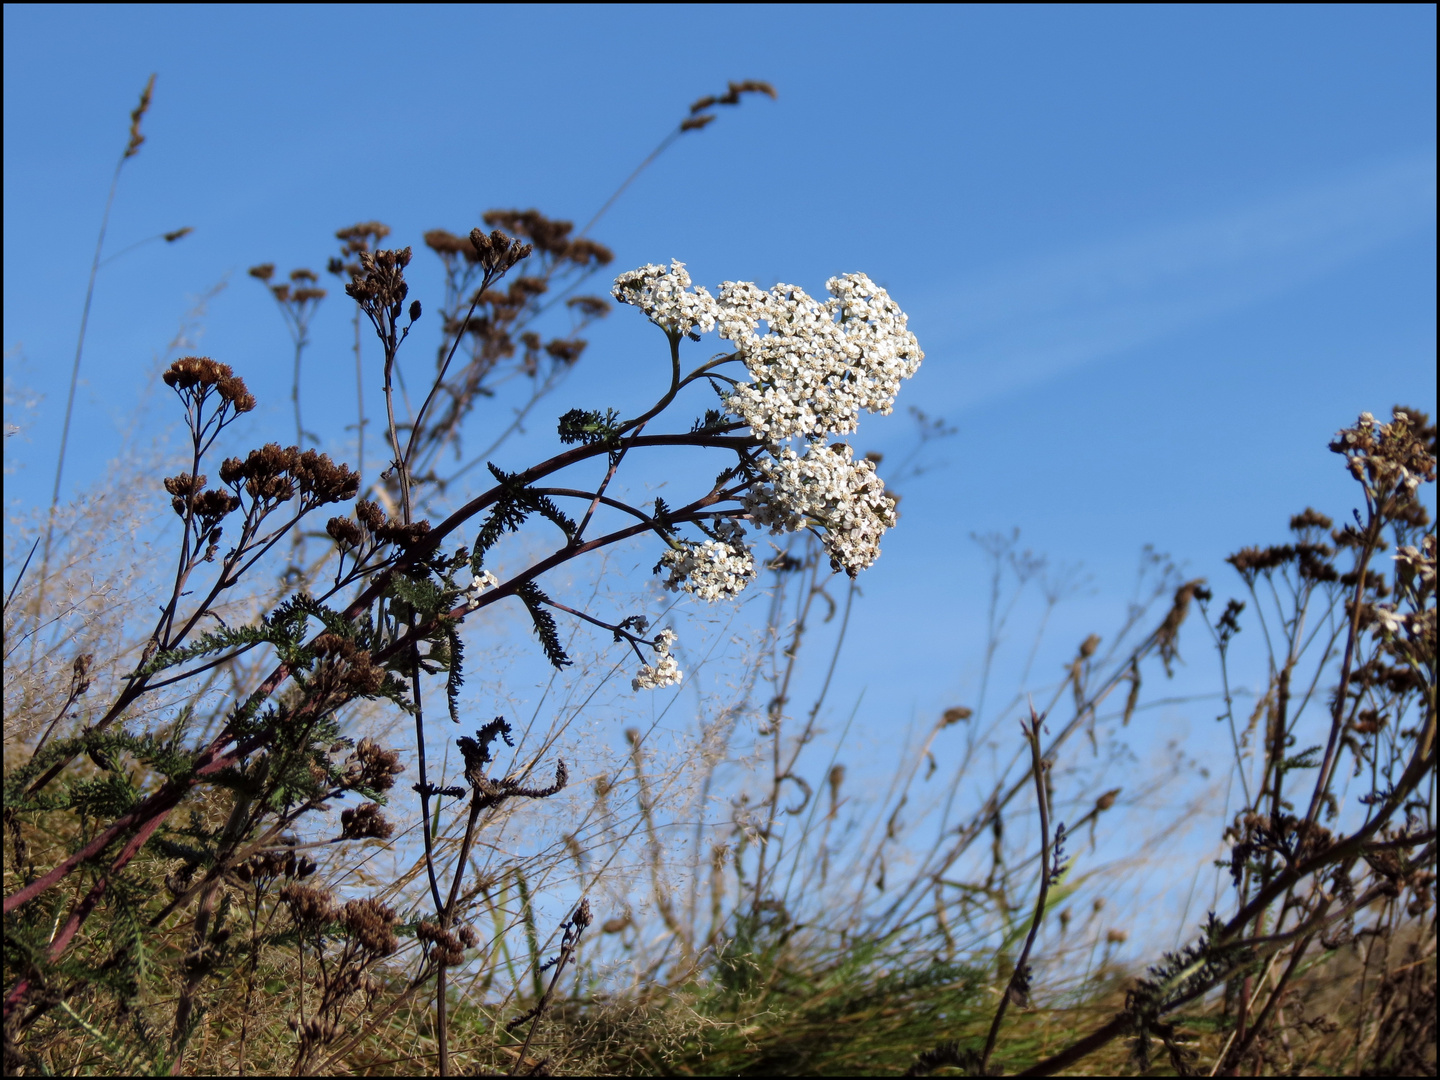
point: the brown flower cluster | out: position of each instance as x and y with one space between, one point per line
380 286
365 821
199 374
190 499
315 1032
344 532
274 473
488 318
448 949
371 926
447 245
371 517
354 240
274 864
309 907
506 307
1399 874
1390 460
1310 518
345 668
376 767
495 253
565 350
1312 561
299 290
549 236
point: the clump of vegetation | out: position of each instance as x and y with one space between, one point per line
248 835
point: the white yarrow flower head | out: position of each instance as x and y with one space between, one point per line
713 570
665 671
828 488
814 368
666 298
819 364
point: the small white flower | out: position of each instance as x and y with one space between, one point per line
665 672
1420 560
478 584
1388 620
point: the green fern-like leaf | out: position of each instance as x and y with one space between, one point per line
545 630
456 677
586 426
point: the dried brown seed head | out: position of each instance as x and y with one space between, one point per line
359 237
443 243
365 820
344 532
184 484
1309 519
232 471
371 925
136 138
582 917
370 514
379 766
309 906
234 393
567 352
191 371
591 307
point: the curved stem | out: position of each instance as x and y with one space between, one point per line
1019 977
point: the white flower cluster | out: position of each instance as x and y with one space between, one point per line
820 363
478 584
816 366
826 487
666 672
665 296
714 570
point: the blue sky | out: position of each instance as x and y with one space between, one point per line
1155 255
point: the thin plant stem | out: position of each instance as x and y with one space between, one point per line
1019 977
132 145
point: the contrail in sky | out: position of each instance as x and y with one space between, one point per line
1026 323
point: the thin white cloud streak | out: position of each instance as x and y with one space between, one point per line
1025 324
